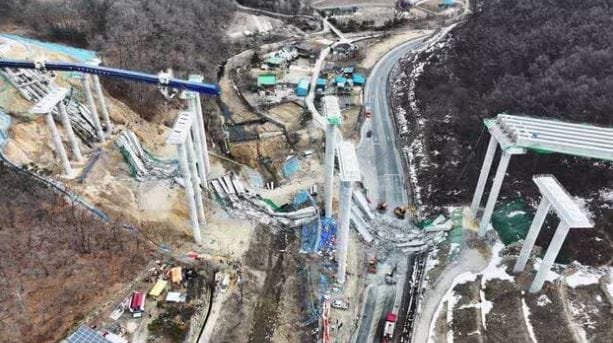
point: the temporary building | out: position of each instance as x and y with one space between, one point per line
137 303
176 274
358 79
267 81
85 334
303 88
340 81
158 288
321 83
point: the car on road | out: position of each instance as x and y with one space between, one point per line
368 133
367 110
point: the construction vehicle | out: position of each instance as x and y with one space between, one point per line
390 277
372 264
388 328
382 207
400 212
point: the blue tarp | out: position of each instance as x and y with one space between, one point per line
5 122
321 83
328 234
340 81
291 166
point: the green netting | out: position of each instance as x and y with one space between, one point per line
512 221
541 151
271 203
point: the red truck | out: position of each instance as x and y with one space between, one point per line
388 329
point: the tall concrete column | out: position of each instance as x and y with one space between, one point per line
491 200
92 106
535 228
57 142
342 235
550 256
74 143
105 110
200 121
196 134
191 159
189 192
329 168
485 171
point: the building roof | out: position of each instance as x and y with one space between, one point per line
358 78
274 60
158 288
340 80
321 82
348 70
267 80
85 334
304 84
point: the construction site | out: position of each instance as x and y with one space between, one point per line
312 192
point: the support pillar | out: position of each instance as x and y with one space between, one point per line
200 122
485 171
189 192
196 134
191 159
74 143
92 107
105 110
329 168
491 200
535 228
342 237
550 257
57 142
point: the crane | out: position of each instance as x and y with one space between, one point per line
164 80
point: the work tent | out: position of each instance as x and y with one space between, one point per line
158 288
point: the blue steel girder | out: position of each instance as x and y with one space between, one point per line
208 89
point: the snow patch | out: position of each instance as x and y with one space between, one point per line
526 311
495 269
543 300
585 275
515 214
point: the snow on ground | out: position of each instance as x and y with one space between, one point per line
526 311
607 196
543 300
451 300
495 269
585 275
551 276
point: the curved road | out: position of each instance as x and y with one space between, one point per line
385 182
384 178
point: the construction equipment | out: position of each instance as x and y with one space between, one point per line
372 264
382 207
389 277
389 326
400 212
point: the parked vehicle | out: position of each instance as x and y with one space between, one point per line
367 110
